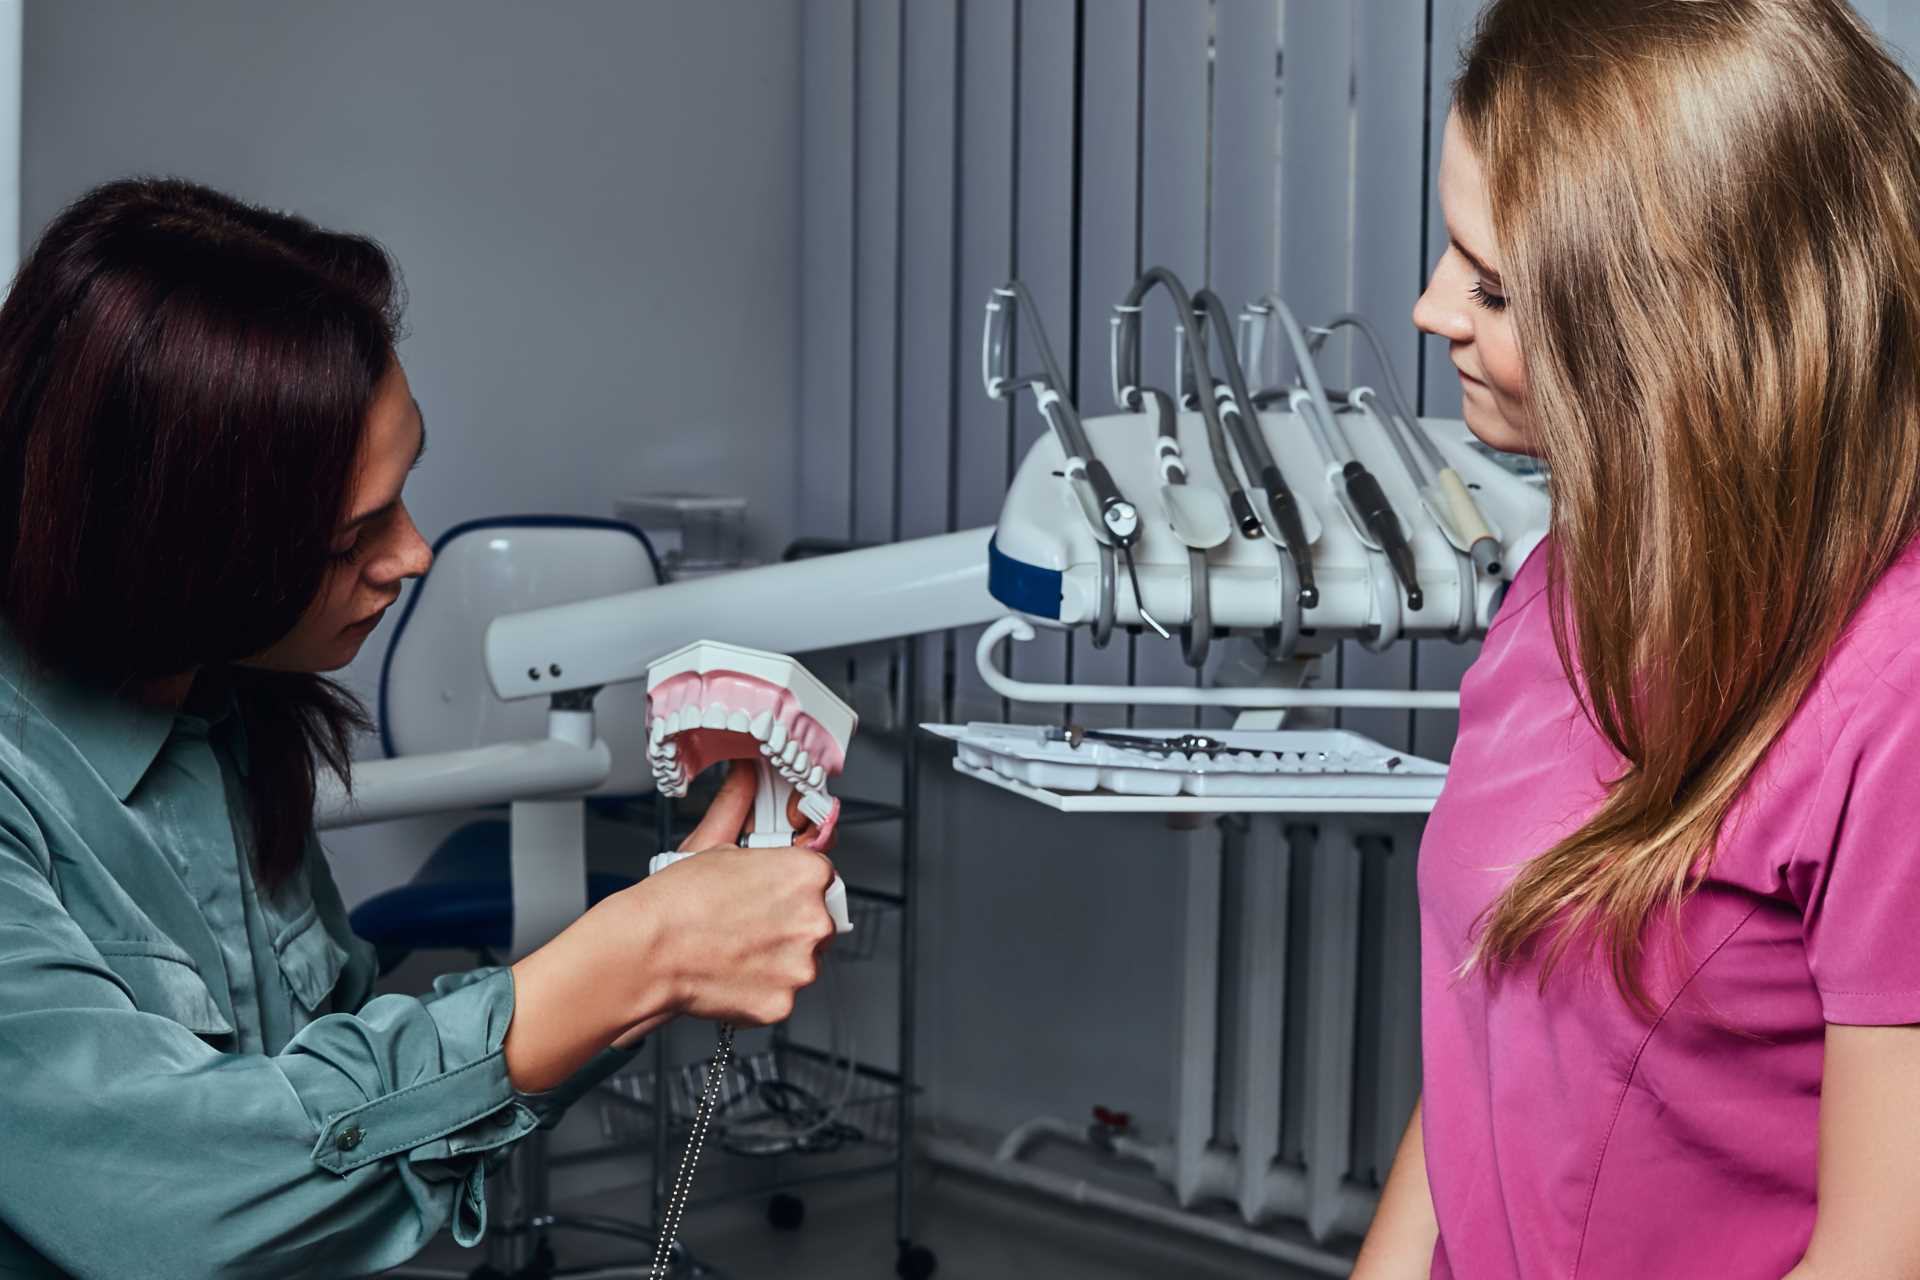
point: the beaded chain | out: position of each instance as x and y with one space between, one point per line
683 1185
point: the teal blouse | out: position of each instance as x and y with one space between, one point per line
193 1078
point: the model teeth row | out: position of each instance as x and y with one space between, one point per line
782 752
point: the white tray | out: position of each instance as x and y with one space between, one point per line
1330 764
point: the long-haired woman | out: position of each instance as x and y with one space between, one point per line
204 435
1670 899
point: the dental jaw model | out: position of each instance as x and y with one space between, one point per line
710 702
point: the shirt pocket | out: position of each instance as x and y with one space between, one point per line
165 981
310 960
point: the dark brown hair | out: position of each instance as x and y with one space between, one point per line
184 380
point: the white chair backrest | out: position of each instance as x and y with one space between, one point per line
434 691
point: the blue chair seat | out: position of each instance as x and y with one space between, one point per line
461 899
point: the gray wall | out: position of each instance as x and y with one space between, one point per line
594 204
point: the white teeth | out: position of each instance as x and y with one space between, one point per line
658 728
788 752
676 722
716 717
818 776
760 725
738 722
766 748
777 736
670 750
800 763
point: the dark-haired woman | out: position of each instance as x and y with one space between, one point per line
204 434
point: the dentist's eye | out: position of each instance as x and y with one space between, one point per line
1482 298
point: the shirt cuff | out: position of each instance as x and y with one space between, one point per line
468 1107
550 1104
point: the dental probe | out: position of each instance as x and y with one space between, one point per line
1111 515
1365 496
1468 520
1283 511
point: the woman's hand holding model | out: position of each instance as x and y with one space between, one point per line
729 936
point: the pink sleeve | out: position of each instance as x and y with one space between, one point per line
1856 874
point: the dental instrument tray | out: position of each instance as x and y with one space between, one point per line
1316 764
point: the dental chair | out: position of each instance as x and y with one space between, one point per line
435 696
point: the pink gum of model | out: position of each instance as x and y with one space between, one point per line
736 691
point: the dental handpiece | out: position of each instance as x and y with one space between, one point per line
1253 447
1125 354
1368 499
1365 495
1462 510
1110 513
1240 507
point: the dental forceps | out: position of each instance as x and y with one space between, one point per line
1114 520
1281 521
1365 498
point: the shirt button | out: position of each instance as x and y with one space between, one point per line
349 1137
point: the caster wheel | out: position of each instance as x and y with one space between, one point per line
786 1212
916 1263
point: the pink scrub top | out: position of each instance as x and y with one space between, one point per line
1567 1134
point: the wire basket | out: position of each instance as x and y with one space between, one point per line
792 1100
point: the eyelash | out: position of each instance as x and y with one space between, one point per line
1481 298
350 556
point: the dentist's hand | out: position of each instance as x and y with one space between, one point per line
731 935
746 925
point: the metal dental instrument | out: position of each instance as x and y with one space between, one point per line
1187 743
1461 508
1282 519
1366 498
1115 521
